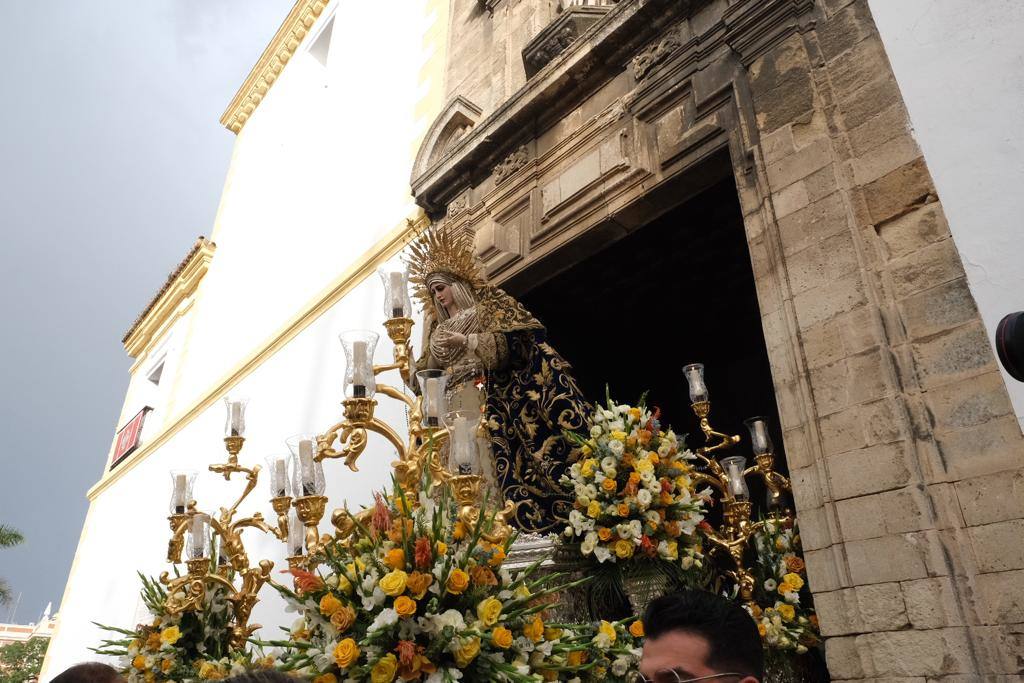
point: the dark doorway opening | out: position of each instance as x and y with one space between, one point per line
675 291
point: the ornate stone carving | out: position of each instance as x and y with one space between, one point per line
559 35
512 163
457 206
655 53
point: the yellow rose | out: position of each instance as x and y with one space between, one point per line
586 449
618 435
395 558
170 635
326 678
786 611
346 653
468 652
634 413
643 465
458 582
502 637
608 485
576 657
608 630
210 672
793 580
442 548
636 629
152 641
552 633
384 670
393 583
329 605
405 606
623 549
672 550
488 611
587 468
594 509
344 585
343 618
784 588
535 629
139 662
761 629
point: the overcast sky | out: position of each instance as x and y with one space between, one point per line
112 161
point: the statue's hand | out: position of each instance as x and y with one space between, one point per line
453 340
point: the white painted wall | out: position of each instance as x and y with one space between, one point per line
960 67
320 174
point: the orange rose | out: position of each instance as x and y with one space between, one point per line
497 557
343 618
634 477
576 657
395 558
644 436
794 564
636 629
459 532
609 485
483 576
502 637
405 606
604 533
418 583
458 582
534 630
623 510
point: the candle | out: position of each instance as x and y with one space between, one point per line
462 445
296 535
432 400
760 442
695 377
198 532
359 362
734 466
280 477
397 282
180 493
236 418
306 467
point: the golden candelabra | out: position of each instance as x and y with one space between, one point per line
187 593
727 476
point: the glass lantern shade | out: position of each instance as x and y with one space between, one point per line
359 346
277 466
432 387
181 490
463 455
307 473
397 303
694 373
199 537
234 422
296 534
734 466
760 441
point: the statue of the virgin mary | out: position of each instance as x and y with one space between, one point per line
499 363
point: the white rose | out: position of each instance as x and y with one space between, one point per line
636 527
616 446
617 426
608 463
643 496
647 477
770 585
608 415
620 666
602 554
623 409
595 432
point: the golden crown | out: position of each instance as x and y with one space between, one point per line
441 250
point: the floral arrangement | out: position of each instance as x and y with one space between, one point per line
780 591
182 646
634 496
610 652
418 595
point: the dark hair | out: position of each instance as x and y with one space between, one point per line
733 640
90 672
262 676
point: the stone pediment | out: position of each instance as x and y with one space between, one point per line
451 126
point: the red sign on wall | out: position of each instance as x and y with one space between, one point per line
128 437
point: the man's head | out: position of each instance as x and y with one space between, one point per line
90 672
693 634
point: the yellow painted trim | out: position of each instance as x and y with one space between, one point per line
282 47
362 268
165 310
67 587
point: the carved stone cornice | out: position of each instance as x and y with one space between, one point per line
270 64
510 164
560 34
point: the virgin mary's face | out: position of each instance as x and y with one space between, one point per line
443 294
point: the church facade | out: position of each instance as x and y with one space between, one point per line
567 137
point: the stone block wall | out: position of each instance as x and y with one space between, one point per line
907 461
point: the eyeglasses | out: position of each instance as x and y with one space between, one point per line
672 676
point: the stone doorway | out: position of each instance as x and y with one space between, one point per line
680 289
